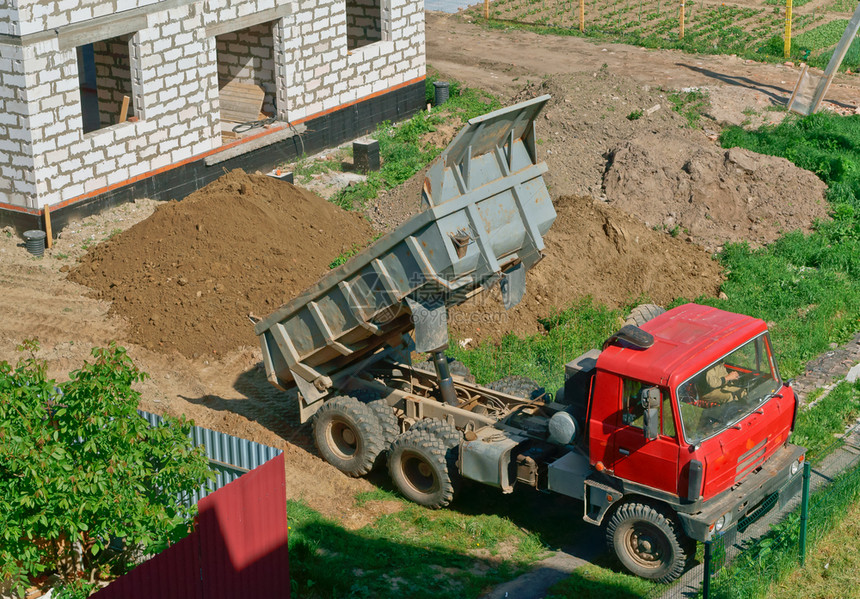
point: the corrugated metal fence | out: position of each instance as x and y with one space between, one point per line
230 457
239 544
238 547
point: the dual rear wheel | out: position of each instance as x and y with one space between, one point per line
354 436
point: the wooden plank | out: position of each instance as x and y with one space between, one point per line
241 102
123 112
48 239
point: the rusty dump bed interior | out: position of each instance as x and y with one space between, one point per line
487 211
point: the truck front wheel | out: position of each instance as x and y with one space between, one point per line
648 543
348 435
423 467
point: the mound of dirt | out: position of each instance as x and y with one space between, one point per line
589 114
597 250
710 194
187 277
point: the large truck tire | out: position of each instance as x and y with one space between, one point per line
444 430
647 542
387 420
423 467
643 313
348 435
518 386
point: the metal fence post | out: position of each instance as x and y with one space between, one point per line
706 569
804 511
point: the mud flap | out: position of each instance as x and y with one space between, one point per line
430 317
513 286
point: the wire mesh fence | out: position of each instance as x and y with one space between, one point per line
743 560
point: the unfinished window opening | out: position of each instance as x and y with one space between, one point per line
364 24
104 75
246 78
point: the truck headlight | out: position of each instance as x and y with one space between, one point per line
795 467
722 522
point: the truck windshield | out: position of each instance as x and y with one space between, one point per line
728 390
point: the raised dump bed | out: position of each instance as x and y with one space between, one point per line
487 211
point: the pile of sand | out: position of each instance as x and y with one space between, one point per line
187 277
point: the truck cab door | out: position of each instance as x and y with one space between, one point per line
651 463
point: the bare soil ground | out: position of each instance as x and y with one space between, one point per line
595 250
227 390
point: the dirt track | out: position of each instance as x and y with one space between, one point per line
501 61
231 393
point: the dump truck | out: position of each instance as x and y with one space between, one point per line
674 430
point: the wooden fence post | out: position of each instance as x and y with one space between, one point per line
581 15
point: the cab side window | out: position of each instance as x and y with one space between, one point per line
667 422
633 414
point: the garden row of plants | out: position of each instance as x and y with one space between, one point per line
753 33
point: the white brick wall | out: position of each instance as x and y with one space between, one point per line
303 62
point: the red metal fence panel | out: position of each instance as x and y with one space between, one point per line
238 547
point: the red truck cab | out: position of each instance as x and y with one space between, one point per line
723 412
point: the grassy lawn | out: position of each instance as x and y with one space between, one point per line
484 539
831 569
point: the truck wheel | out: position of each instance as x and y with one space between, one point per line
348 435
387 420
643 313
647 542
423 467
518 386
444 430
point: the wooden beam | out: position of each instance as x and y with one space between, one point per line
123 112
48 239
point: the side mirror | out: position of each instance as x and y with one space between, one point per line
650 400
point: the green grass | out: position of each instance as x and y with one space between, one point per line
344 257
806 286
581 326
401 149
820 427
831 569
413 552
842 6
772 558
594 581
691 105
306 168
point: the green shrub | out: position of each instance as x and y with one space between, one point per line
80 468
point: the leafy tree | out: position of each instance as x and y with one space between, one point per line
81 473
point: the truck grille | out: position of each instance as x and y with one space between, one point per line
750 461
